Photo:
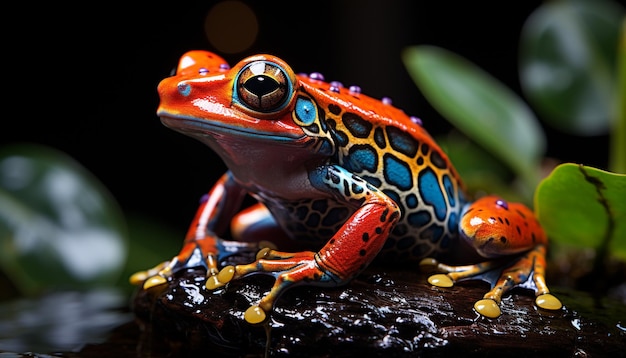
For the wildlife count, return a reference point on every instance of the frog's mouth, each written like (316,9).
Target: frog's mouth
(202,128)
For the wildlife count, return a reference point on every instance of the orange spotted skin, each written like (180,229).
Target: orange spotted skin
(350,177)
(496,228)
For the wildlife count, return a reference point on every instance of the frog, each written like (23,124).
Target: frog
(351,178)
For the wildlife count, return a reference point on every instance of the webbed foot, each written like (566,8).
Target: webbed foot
(287,268)
(527,271)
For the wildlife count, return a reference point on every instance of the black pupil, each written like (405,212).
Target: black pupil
(261,85)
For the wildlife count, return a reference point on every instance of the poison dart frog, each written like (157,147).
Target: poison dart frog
(352,177)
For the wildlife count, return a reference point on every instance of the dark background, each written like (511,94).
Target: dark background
(83,79)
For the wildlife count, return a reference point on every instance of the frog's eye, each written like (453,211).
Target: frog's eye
(263,86)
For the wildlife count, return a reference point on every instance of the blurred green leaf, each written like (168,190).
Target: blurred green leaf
(617,157)
(568,63)
(59,226)
(480,106)
(152,243)
(481,171)
(584,207)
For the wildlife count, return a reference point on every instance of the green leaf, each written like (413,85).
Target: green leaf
(59,226)
(617,157)
(584,207)
(480,106)
(568,63)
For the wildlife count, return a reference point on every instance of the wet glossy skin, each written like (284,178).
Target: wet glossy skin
(353,177)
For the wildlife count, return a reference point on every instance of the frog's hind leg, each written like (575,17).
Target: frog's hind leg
(509,235)
(526,271)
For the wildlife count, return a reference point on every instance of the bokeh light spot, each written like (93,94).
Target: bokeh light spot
(231,26)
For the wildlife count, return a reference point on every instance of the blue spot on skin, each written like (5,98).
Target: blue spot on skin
(419,219)
(305,110)
(397,172)
(362,157)
(447,183)
(411,201)
(431,192)
(184,89)
(453,223)
(432,233)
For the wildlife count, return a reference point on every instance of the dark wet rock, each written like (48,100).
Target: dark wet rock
(384,312)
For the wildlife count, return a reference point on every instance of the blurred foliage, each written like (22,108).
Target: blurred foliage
(59,226)
(572,71)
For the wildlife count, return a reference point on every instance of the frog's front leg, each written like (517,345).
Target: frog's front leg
(515,244)
(202,242)
(347,253)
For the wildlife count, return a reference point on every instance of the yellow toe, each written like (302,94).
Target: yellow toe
(428,263)
(154,281)
(488,308)
(254,315)
(548,302)
(440,280)
(212,282)
(138,277)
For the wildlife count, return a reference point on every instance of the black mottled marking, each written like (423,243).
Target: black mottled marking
(507,221)
(357,189)
(334,109)
(378,230)
(313,220)
(402,141)
(519,231)
(393,195)
(405,242)
(301,212)
(503,239)
(313,128)
(421,250)
(335,215)
(341,138)
(332,241)
(420,160)
(432,233)
(437,160)
(362,252)
(400,230)
(492,218)
(376,182)
(383,216)
(425,148)
(365,237)
(500,220)
(357,126)
(320,206)
(520,213)
(533,237)
(346,188)
(379,138)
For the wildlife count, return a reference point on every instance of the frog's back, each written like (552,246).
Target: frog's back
(392,151)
